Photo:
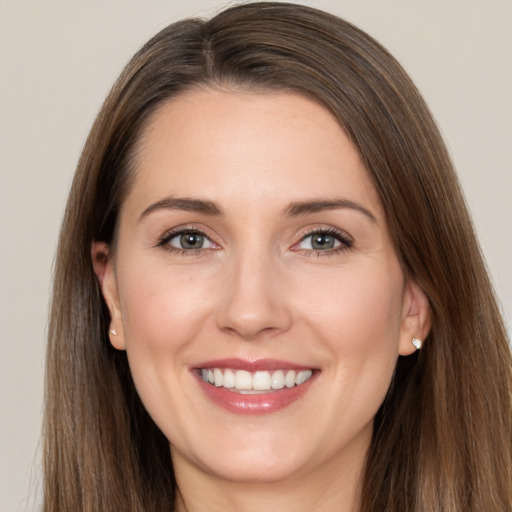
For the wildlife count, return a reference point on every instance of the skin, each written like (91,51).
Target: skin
(257,289)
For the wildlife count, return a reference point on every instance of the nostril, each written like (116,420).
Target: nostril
(251,333)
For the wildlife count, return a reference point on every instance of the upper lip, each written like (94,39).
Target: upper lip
(252,365)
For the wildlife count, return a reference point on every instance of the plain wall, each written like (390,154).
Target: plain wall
(58,60)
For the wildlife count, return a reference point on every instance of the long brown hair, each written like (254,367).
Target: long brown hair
(442,438)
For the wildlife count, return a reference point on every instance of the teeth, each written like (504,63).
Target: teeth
(218,377)
(261,381)
(278,379)
(229,379)
(289,380)
(244,381)
(301,377)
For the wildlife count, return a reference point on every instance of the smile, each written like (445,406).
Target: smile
(260,386)
(245,382)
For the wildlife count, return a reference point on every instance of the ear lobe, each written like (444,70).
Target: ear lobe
(416,317)
(104,270)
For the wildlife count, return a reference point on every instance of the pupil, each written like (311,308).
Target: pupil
(321,241)
(191,241)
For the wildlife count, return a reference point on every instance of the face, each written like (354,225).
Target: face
(255,287)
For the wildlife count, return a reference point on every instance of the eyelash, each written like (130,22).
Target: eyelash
(167,237)
(345,242)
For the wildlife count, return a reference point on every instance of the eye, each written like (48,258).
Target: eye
(188,240)
(319,242)
(324,241)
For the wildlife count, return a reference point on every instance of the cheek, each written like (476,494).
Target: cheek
(357,316)
(161,308)
(163,312)
(360,306)
(358,325)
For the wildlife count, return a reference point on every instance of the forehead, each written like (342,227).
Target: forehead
(250,147)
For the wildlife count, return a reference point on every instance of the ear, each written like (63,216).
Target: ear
(416,317)
(105,274)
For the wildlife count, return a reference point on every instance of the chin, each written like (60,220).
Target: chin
(250,470)
(267,459)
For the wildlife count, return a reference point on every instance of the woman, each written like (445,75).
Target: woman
(268,290)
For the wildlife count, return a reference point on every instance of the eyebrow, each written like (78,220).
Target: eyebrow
(305,207)
(184,204)
(295,209)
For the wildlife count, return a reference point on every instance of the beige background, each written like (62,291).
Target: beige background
(57,62)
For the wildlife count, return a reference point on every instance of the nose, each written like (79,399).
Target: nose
(254,298)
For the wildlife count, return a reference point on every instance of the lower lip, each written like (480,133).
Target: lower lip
(264,403)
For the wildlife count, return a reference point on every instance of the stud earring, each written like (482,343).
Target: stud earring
(113,332)
(417,343)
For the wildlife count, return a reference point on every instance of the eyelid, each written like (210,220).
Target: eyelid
(176,236)
(346,241)
(164,239)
